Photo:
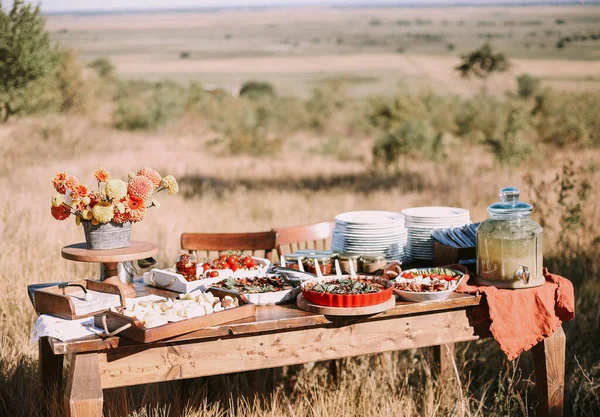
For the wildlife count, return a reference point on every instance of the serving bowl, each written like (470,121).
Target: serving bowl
(346,300)
(422,296)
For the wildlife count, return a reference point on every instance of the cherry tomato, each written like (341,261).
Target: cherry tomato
(248,262)
(233,259)
(214,274)
(223,257)
(206,266)
(234,267)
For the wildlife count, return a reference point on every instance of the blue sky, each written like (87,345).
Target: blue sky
(86,5)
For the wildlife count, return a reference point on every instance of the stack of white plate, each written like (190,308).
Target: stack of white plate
(421,221)
(370,233)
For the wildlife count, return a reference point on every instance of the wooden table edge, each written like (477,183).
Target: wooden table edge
(249,327)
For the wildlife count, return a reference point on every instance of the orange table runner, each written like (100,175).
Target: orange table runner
(522,318)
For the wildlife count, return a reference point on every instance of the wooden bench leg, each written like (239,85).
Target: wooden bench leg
(444,358)
(549,365)
(83,394)
(51,369)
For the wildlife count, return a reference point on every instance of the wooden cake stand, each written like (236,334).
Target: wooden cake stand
(110,258)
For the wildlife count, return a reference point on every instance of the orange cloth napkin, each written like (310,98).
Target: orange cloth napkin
(522,318)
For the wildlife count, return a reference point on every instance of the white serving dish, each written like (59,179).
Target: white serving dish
(420,297)
(265,298)
(171,280)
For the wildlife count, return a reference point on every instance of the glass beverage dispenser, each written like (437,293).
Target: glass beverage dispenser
(510,245)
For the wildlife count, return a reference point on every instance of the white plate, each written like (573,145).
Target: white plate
(376,237)
(434,212)
(376,226)
(368,217)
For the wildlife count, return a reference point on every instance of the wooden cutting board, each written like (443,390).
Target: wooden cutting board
(138,332)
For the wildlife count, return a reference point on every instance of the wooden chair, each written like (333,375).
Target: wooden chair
(309,236)
(259,244)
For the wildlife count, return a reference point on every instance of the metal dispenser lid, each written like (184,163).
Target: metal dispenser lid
(510,208)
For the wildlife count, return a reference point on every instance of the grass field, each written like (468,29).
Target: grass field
(294,47)
(313,172)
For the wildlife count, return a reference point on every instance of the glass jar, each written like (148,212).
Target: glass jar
(372,263)
(345,258)
(325,263)
(292,260)
(510,245)
(187,265)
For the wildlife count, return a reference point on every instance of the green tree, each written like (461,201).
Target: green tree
(26,54)
(482,62)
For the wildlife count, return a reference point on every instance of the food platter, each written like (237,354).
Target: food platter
(134,327)
(346,291)
(428,284)
(268,290)
(173,281)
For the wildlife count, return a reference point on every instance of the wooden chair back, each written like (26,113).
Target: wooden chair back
(205,245)
(309,236)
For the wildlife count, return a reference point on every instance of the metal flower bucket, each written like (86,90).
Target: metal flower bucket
(107,235)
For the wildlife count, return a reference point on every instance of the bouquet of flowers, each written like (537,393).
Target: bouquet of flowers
(115,200)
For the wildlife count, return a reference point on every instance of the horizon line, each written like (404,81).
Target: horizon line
(358,4)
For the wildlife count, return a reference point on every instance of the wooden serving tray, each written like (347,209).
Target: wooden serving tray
(57,302)
(139,333)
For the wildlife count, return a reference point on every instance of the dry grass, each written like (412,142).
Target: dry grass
(237,193)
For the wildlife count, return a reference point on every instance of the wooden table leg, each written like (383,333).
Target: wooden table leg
(549,364)
(83,395)
(444,358)
(51,369)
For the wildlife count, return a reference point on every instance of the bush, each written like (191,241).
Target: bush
(103,67)
(500,125)
(145,106)
(255,127)
(184,55)
(326,98)
(414,138)
(568,118)
(527,85)
(257,90)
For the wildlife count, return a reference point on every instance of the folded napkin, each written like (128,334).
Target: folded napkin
(62,329)
(522,318)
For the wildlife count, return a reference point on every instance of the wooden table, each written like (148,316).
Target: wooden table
(279,336)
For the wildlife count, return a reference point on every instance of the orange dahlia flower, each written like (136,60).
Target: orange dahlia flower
(79,191)
(94,199)
(121,217)
(140,187)
(102,175)
(152,175)
(71,183)
(135,208)
(59,182)
(61,212)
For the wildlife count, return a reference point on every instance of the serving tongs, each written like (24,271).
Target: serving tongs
(290,275)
